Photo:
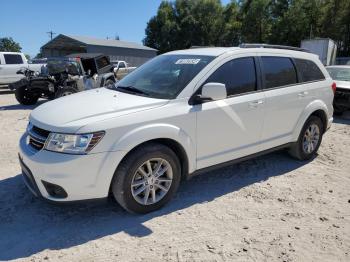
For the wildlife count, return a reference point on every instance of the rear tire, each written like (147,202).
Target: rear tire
(309,140)
(24,96)
(65,91)
(137,184)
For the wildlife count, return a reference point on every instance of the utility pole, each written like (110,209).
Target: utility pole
(51,34)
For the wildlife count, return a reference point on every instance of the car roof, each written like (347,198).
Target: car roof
(217,51)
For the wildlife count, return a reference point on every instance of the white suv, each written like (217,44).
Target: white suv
(175,116)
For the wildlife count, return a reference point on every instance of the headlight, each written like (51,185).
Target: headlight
(73,144)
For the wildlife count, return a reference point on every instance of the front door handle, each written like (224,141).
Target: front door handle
(256,103)
(302,94)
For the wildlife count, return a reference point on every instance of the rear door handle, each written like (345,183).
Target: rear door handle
(304,93)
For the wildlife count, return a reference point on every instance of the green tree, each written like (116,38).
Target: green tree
(161,30)
(181,24)
(231,28)
(256,20)
(335,24)
(7,44)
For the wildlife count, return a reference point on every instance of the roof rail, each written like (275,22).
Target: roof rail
(274,46)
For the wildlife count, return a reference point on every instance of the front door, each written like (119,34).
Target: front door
(231,128)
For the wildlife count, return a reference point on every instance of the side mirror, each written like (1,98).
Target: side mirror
(211,92)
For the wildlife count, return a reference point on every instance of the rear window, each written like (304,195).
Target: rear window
(102,62)
(278,71)
(308,70)
(12,59)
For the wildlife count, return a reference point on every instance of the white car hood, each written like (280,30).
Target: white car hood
(68,114)
(343,84)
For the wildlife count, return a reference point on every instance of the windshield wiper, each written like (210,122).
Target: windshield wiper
(132,90)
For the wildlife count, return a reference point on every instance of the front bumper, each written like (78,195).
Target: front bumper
(81,176)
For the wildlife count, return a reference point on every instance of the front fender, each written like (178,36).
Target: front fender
(307,112)
(146,133)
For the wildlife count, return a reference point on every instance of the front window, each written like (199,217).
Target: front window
(340,73)
(165,76)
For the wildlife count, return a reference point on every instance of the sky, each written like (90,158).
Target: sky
(28,22)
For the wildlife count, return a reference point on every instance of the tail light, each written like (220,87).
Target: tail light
(334,87)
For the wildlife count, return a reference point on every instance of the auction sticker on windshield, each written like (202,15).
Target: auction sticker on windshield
(187,61)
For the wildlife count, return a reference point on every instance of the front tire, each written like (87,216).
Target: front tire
(147,178)
(309,140)
(109,82)
(24,97)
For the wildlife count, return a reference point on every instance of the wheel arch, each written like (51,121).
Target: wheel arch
(173,145)
(169,135)
(316,108)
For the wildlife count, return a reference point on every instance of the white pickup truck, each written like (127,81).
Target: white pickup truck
(10,63)
(121,69)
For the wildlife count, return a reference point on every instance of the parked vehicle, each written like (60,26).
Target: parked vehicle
(121,69)
(11,63)
(341,75)
(325,48)
(177,115)
(37,60)
(65,76)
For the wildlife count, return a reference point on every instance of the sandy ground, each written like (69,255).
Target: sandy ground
(268,209)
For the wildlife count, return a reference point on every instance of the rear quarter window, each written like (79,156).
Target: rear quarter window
(308,70)
(278,71)
(12,59)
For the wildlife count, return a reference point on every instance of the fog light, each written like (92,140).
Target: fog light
(54,190)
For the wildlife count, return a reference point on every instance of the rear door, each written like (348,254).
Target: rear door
(13,62)
(285,99)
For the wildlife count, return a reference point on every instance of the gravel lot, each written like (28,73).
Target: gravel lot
(272,208)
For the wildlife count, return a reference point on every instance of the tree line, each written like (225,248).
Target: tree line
(180,24)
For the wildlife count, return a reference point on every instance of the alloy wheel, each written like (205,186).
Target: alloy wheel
(151,181)
(311,138)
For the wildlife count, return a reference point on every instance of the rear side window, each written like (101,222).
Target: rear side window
(308,70)
(278,71)
(13,59)
(238,75)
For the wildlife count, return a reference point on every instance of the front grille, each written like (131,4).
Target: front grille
(37,137)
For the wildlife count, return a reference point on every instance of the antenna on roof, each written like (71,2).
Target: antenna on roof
(51,34)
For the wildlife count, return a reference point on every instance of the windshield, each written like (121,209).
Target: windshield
(340,73)
(61,65)
(164,76)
